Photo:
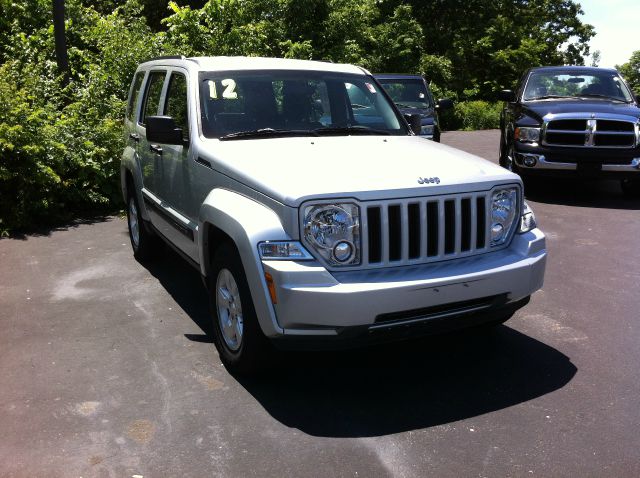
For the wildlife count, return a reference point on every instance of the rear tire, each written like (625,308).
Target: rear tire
(242,346)
(143,241)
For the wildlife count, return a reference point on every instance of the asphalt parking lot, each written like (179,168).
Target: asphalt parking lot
(107,368)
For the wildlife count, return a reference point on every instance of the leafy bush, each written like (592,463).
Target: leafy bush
(60,143)
(472,115)
(60,140)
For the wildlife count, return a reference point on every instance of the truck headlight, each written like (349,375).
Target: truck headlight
(333,231)
(504,208)
(527,135)
(527,220)
(427,130)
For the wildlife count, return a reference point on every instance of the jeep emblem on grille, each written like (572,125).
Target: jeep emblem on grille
(433,180)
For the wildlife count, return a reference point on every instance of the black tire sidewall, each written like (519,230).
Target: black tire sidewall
(147,242)
(253,347)
(630,188)
(132,198)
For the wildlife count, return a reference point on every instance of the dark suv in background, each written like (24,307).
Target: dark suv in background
(572,121)
(412,95)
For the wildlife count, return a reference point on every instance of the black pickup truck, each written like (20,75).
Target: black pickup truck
(572,120)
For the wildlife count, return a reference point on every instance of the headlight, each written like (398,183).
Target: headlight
(504,207)
(283,251)
(527,135)
(527,220)
(333,231)
(427,130)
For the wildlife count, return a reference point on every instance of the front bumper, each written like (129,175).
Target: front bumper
(313,302)
(586,162)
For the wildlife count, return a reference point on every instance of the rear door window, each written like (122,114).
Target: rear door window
(133,96)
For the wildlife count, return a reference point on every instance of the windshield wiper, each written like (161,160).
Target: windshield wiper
(548,97)
(338,130)
(267,133)
(404,105)
(595,95)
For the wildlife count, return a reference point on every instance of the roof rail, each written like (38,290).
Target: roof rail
(166,57)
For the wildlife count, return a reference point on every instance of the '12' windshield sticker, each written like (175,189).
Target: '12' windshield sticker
(370,87)
(229,92)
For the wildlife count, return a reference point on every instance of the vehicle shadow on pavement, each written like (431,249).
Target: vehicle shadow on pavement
(38,231)
(388,388)
(580,193)
(185,286)
(409,386)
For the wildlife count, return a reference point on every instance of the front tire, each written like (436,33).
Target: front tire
(507,157)
(242,346)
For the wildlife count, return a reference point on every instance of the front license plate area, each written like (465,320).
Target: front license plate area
(589,168)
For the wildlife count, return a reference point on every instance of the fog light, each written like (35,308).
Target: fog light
(529,161)
(497,230)
(343,251)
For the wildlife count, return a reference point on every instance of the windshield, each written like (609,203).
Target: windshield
(264,103)
(408,93)
(563,84)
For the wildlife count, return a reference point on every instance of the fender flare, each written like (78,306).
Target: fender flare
(247,223)
(129,164)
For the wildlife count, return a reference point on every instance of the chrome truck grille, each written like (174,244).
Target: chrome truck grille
(419,230)
(590,132)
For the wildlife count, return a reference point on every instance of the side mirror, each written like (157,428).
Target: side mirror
(163,130)
(506,95)
(415,122)
(445,104)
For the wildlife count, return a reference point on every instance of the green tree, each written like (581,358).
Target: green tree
(631,71)
(62,57)
(490,43)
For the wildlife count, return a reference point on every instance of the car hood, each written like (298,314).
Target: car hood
(425,113)
(539,109)
(292,170)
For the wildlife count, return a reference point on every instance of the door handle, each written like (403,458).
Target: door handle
(135,137)
(155,148)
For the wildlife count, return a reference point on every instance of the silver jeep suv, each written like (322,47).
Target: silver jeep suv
(314,214)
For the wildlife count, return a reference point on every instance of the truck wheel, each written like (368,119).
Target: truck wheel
(507,158)
(143,242)
(630,188)
(242,346)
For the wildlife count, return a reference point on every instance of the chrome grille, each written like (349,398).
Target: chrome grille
(419,230)
(591,132)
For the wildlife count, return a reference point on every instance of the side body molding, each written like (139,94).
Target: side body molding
(247,223)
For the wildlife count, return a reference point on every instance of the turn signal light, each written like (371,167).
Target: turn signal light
(272,287)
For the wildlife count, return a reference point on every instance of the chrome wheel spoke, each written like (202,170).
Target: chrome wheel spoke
(134,224)
(229,309)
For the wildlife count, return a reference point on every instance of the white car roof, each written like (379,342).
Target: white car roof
(226,63)
(258,63)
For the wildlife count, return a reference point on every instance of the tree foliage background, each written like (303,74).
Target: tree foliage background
(61,138)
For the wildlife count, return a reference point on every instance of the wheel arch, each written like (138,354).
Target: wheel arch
(229,217)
